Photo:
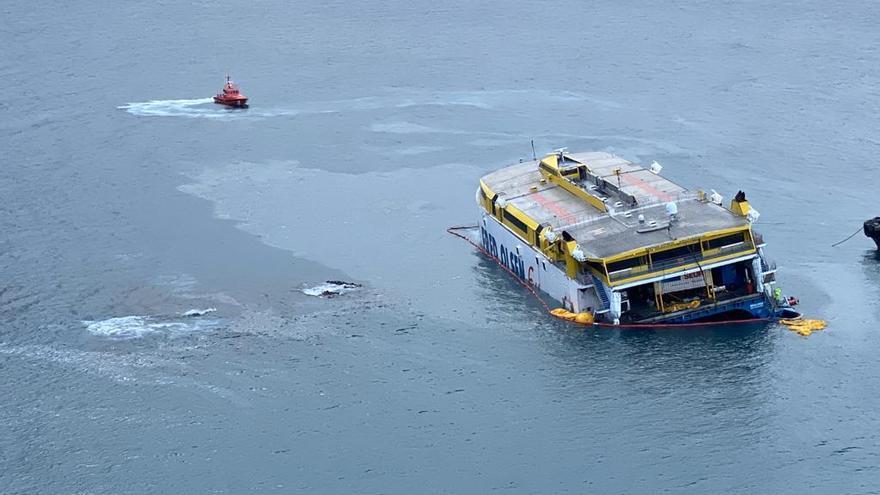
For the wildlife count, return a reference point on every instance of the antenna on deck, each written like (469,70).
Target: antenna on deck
(560,153)
(534,157)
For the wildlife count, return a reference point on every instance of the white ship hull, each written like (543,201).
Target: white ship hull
(532,267)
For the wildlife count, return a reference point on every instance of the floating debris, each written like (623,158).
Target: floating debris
(198,312)
(583,318)
(871,228)
(331,288)
(804,326)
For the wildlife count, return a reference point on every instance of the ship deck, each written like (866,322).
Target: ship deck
(632,191)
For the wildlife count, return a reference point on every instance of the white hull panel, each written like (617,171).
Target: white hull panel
(532,267)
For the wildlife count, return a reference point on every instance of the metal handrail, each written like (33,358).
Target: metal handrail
(677,262)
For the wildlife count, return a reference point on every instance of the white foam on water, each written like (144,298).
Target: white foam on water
(330,289)
(205,108)
(120,368)
(484,100)
(135,327)
(444,100)
(173,108)
(418,150)
(198,312)
(493,99)
(124,327)
(400,127)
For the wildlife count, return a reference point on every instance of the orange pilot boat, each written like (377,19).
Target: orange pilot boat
(231,96)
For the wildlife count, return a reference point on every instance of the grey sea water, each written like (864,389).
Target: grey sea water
(154,332)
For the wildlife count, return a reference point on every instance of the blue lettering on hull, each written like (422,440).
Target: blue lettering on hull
(507,258)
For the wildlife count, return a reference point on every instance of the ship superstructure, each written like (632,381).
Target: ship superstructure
(606,236)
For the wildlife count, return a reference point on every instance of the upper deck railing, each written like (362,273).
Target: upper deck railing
(676,264)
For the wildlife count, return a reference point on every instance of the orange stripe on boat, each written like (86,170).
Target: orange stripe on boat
(645,187)
(553,206)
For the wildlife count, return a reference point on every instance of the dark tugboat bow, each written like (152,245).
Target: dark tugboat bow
(872,230)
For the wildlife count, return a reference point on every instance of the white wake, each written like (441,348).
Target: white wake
(135,327)
(197,108)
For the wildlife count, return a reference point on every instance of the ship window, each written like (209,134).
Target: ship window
(484,199)
(548,169)
(596,266)
(627,263)
(679,252)
(516,222)
(725,241)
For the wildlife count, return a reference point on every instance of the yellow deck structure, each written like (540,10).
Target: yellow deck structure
(604,216)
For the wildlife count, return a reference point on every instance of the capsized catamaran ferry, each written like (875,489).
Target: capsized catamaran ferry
(609,238)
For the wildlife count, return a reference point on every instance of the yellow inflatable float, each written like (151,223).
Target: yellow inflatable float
(672,308)
(804,326)
(581,318)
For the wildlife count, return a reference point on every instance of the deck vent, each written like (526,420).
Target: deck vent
(672,211)
(753,215)
(641,218)
(618,204)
